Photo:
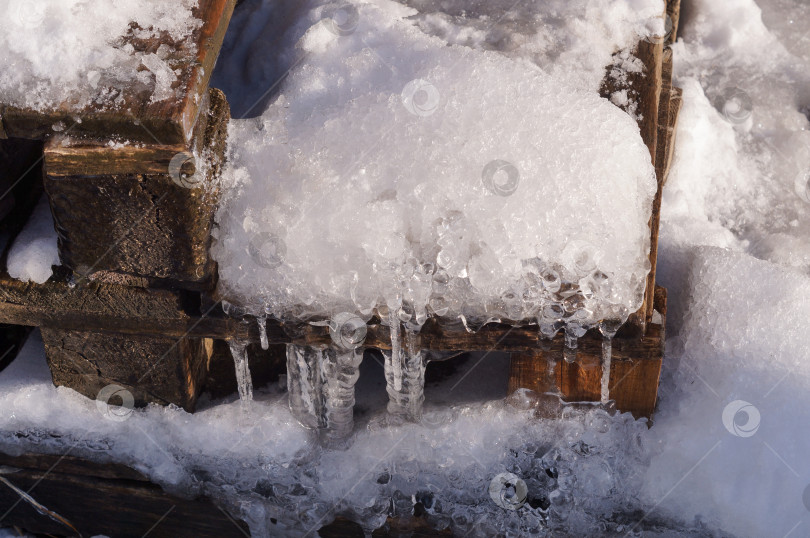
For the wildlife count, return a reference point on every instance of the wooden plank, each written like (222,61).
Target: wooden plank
(127,210)
(154,369)
(661,169)
(107,307)
(644,89)
(633,376)
(674,14)
(166,122)
(104,499)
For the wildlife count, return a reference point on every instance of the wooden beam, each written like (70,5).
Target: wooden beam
(168,122)
(634,372)
(103,499)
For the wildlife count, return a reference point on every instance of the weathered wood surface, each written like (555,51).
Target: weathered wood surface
(103,499)
(166,122)
(109,307)
(644,90)
(154,369)
(139,216)
(634,373)
(669,107)
(674,14)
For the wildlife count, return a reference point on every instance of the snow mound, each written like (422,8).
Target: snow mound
(397,172)
(35,250)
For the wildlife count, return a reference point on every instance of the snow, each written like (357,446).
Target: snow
(35,250)
(379,179)
(80,51)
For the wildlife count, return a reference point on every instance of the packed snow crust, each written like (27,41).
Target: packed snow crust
(398,171)
(80,52)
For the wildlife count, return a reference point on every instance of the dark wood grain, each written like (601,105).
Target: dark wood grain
(634,372)
(674,13)
(122,209)
(104,499)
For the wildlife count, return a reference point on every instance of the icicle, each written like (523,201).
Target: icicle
(262,321)
(304,382)
(570,347)
(320,383)
(607,342)
(406,400)
(551,374)
(243,379)
(396,352)
(574,330)
(608,328)
(341,369)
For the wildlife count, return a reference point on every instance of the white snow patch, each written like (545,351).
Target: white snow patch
(35,250)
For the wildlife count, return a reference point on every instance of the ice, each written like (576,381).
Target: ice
(320,383)
(526,190)
(261,321)
(243,379)
(405,379)
(35,250)
(608,330)
(58,51)
(304,385)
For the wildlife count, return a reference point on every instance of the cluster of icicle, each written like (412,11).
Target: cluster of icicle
(321,380)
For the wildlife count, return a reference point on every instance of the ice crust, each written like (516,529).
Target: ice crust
(582,472)
(35,249)
(395,170)
(74,51)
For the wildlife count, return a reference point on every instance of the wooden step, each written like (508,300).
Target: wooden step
(165,122)
(141,210)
